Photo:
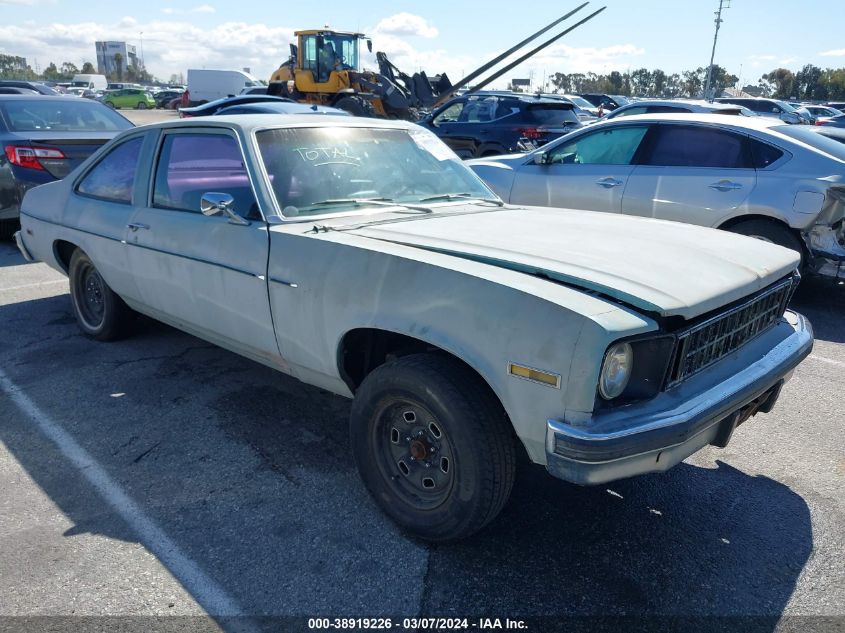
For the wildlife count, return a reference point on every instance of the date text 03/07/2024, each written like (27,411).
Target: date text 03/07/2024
(417,624)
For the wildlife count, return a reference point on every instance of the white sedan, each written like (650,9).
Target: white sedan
(750,175)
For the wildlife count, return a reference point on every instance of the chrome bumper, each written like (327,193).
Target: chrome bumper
(660,440)
(22,247)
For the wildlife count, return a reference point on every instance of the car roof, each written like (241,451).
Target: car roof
(751,123)
(693,102)
(283,107)
(251,122)
(42,98)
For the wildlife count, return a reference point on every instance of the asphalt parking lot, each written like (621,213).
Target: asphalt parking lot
(148,483)
(163,476)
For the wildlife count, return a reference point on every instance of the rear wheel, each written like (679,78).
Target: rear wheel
(142,105)
(99,312)
(433,446)
(770,231)
(356,106)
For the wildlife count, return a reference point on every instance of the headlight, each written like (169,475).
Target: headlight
(616,370)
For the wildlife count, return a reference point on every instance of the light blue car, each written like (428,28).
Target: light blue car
(363,257)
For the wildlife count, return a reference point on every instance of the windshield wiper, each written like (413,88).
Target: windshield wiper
(462,196)
(362,202)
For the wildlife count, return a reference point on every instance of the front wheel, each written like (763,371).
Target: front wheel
(142,105)
(99,312)
(433,446)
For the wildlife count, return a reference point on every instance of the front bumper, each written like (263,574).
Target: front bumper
(661,439)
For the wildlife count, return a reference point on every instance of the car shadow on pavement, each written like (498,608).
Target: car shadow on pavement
(10,255)
(823,302)
(250,473)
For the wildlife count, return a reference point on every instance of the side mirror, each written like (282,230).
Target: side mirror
(213,203)
(370,45)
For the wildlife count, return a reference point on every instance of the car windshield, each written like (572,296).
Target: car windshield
(70,115)
(805,134)
(323,170)
(786,107)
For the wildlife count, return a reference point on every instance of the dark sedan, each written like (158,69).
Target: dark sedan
(279,108)
(834,121)
(38,87)
(43,139)
(163,97)
(212,107)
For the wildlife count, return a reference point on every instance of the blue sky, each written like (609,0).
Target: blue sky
(437,35)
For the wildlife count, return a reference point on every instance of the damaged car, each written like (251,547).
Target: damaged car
(751,175)
(363,257)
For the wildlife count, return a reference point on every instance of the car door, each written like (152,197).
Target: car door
(587,171)
(205,274)
(450,125)
(692,173)
(103,203)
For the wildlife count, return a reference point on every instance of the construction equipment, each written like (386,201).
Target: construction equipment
(324,68)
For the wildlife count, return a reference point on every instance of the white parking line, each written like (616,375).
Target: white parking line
(829,361)
(35,285)
(211,596)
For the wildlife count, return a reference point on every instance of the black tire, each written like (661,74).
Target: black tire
(356,106)
(142,105)
(469,451)
(99,312)
(8,228)
(770,231)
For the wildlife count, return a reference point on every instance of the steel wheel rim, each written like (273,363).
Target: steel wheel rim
(413,454)
(90,296)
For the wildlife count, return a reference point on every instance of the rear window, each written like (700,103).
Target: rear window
(806,135)
(67,115)
(763,154)
(551,114)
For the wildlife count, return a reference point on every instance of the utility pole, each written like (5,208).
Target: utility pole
(723,4)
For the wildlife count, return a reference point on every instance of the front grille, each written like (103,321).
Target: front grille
(703,344)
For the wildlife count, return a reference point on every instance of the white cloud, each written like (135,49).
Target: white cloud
(762,58)
(405,24)
(203,8)
(170,46)
(838,52)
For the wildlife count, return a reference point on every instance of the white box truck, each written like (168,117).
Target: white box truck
(208,84)
(89,82)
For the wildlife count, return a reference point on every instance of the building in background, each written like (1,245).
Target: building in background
(115,58)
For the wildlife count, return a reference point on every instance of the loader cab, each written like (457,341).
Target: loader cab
(324,52)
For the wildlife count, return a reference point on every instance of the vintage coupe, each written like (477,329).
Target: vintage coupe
(363,257)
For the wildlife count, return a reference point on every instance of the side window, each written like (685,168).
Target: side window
(191,165)
(113,178)
(664,109)
(776,108)
(450,114)
(629,112)
(309,53)
(615,146)
(763,154)
(479,110)
(688,146)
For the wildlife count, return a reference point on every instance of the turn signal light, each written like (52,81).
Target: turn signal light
(30,157)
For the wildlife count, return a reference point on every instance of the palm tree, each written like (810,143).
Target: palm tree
(118,61)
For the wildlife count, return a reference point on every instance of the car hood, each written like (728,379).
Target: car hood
(660,267)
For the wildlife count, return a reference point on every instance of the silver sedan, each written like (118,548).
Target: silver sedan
(750,175)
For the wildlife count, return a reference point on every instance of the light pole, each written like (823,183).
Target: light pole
(142,51)
(726,4)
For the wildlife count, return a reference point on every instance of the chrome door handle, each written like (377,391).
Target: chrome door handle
(607,183)
(137,225)
(725,185)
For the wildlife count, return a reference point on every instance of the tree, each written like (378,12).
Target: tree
(658,82)
(88,69)
(118,62)
(781,82)
(640,82)
(691,84)
(616,82)
(51,73)
(68,70)
(13,67)
(561,82)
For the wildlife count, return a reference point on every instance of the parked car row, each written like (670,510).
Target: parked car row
(365,258)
